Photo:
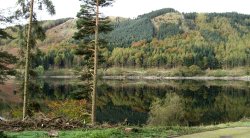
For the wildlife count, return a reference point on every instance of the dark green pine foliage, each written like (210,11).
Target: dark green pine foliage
(213,36)
(141,28)
(85,35)
(131,31)
(168,30)
(89,26)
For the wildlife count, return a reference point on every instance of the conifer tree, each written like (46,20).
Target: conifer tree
(27,11)
(89,25)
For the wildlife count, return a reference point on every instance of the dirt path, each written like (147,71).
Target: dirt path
(237,132)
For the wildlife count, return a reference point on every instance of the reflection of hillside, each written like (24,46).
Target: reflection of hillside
(122,114)
(8,94)
(233,106)
(223,107)
(138,97)
(203,102)
(179,84)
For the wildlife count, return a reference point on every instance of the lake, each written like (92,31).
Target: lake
(138,102)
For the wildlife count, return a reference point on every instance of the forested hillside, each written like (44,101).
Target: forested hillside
(167,38)
(164,38)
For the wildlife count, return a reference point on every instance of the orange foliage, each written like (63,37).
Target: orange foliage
(139,43)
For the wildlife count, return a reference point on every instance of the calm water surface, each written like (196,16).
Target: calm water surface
(181,102)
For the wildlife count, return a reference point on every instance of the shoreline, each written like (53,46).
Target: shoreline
(152,77)
(243,78)
(59,77)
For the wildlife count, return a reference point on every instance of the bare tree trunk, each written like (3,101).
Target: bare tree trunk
(93,116)
(27,58)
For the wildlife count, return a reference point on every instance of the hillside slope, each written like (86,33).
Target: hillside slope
(157,24)
(169,39)
(162,38)
(57,32)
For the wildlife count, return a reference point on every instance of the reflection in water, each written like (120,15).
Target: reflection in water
(167,111)
(174,102)
(153,102)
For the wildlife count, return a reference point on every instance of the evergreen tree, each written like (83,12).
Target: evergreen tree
(89,25)
(27,7)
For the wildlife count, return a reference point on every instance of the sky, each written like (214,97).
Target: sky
(133,8)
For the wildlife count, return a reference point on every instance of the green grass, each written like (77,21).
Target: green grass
(113,132)
(27,134)
(118,132)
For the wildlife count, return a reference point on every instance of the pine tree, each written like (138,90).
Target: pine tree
(25,6)
(89,25)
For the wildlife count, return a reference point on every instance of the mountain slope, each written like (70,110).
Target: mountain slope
(57,32)
(168,22)
(162,38)
(167,38)
(157,24)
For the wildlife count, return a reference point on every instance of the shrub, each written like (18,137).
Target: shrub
(194,70)
(184,71)
(39,70)
(71,109)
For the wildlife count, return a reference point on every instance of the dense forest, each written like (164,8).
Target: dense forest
(170,39)
(164,38)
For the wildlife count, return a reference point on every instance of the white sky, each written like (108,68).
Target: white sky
(133,8)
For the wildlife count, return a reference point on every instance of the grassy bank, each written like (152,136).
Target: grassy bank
(119,132)
(175,72)
(60,72)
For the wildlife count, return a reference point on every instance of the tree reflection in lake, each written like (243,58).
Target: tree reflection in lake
(167,111)
(174,102)
(148,102)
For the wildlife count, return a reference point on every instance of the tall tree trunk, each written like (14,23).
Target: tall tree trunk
(27,60)
(93,116)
